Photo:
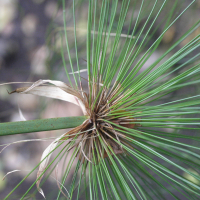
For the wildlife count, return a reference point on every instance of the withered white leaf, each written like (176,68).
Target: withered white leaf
(45,160)
(58,90)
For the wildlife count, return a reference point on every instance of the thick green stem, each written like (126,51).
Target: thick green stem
(11,128)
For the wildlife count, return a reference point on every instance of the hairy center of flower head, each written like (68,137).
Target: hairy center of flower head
(104,133)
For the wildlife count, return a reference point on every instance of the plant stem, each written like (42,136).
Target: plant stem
(11,128)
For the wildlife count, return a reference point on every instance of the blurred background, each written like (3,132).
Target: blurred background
(24,54)
(30,50)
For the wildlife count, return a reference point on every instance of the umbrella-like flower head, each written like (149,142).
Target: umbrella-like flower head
(98,128)
(138,138)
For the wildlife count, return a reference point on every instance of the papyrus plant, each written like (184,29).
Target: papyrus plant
(139,139)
